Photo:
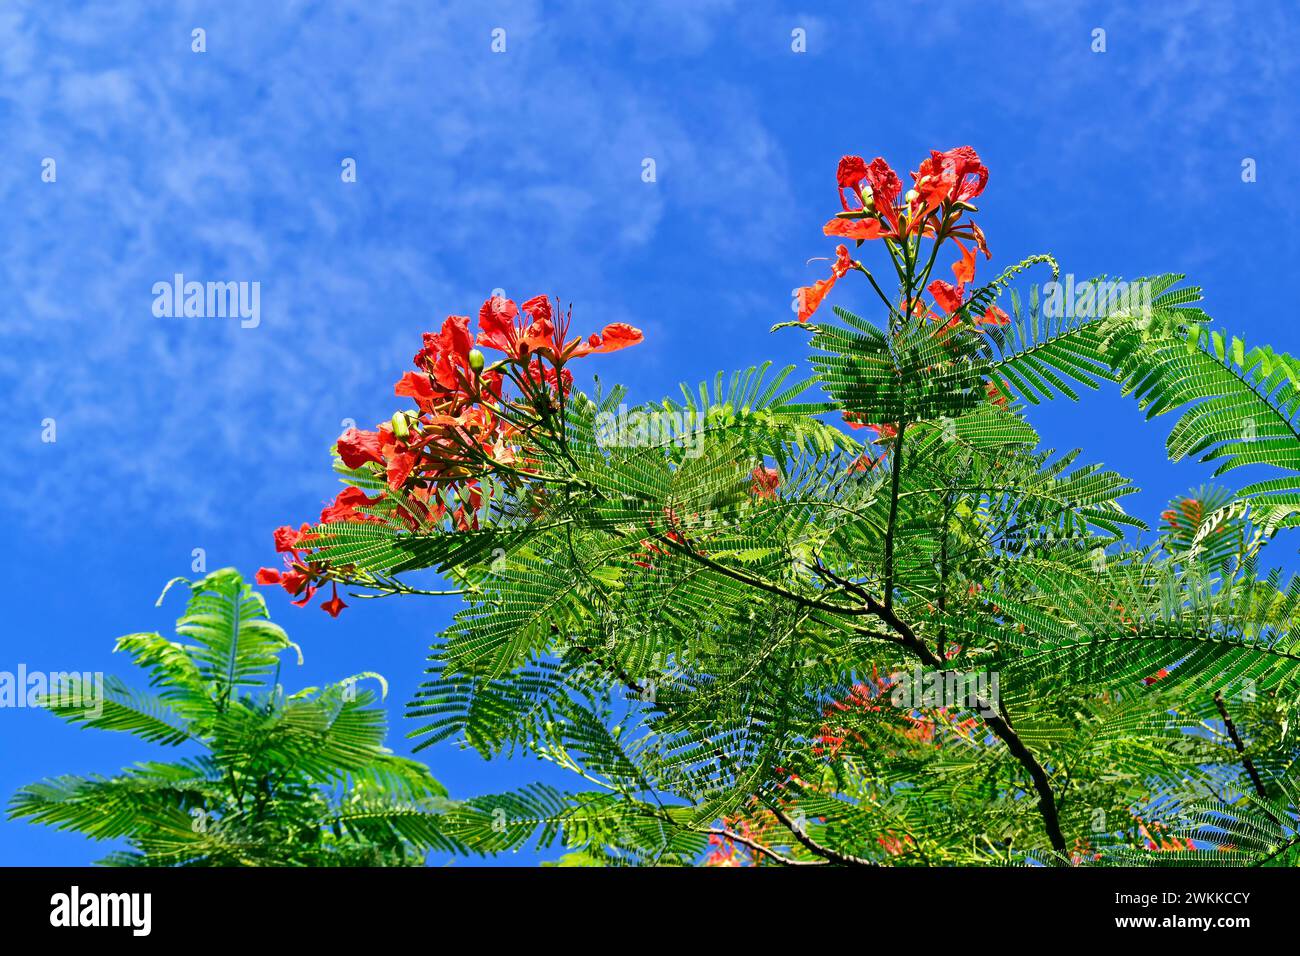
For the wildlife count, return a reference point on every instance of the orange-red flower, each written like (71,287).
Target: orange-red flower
(358,448)
(344,507)
(765,482)
(884,432)
(810,297)
(334,605)
(993,316)
(286,537)
(849,174)
(462,426)
(951,297)
(445,356)
(879,212)
(1157,839)
(615,336)
(301,575)
(944,185)
(951,177)
(504,328)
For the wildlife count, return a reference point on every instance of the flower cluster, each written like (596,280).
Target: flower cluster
(466,424)
(302,575)
(936,207)
(944,186)
(725,851)
(873,695)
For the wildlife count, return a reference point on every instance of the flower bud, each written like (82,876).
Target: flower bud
(400,428)
(476,360)
(912,196)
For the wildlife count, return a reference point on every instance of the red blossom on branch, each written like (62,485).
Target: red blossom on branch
(462,427)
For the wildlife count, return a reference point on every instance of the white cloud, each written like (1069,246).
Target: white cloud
(474,169)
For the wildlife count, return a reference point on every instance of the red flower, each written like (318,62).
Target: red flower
(550,332)
(950,297)
(345,505)
(765,482)
(946,295)
(400,466)
(994,316)
(883,222)
(539,307)
(301,574)
(358,448)
(415,385)
(334,605)
(945,184)
(884,432)
(299,584)
(617,335)
(286,538)
(446,354)
(810,297)
(851,171)
(951,177)
(1159,841)
(293,579)
(463,426)
(885,189)
(501,327)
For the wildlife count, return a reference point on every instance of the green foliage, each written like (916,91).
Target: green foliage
(271,778)
(719,655)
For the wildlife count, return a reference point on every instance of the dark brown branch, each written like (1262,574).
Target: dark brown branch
(627,680)
(684,547)
(994,720)
(812,846)
(997,723)
(766,851)
(1241,747)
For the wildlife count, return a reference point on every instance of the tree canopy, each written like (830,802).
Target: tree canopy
(272,779)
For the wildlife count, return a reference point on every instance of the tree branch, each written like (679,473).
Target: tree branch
(765,851)
(1241,747)
(812,846)
(991,716)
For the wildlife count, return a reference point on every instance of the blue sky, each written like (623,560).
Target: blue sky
(522,170)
